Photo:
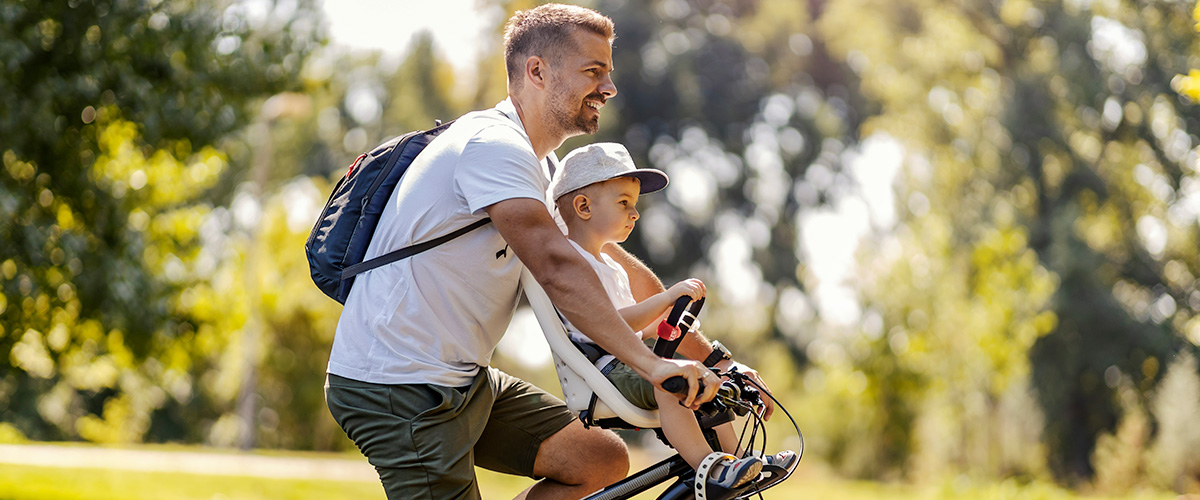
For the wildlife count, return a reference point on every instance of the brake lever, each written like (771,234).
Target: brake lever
(747,395)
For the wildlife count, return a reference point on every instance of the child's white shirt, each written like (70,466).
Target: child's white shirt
(616,284)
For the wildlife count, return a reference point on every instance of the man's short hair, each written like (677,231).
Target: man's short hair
(545,31)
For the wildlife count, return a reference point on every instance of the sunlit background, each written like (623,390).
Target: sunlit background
(959,239)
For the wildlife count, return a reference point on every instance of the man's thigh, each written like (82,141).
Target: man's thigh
(419,437)
(522,417)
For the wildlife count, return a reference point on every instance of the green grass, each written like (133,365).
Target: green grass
(47,483)
(20,482)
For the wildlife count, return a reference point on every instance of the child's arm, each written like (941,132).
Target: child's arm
(644,313)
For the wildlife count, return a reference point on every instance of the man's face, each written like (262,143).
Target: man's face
(579,84)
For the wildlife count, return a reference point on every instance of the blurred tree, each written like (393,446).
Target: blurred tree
(1190,85)
(108,115)
(419,92)
(1173,461)
(1055,120)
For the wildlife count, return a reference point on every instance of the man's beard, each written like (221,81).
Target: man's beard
(571,119)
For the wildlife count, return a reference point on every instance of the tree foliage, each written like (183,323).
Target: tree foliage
(110,113)
(1056,118)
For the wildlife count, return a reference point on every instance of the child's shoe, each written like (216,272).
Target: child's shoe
(721,473)
(777,467)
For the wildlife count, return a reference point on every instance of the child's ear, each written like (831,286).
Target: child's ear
(582,206)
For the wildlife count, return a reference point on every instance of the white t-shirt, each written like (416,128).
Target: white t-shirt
(616,284)
(436,317)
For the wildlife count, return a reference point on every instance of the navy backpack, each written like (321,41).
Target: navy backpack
(340,238)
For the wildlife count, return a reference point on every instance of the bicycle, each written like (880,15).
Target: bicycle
(596,402)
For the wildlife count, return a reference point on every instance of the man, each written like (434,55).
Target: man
(408,377)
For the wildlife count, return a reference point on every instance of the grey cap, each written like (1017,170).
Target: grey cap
(600,162)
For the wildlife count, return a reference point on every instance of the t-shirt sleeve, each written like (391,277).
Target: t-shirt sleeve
(496,165)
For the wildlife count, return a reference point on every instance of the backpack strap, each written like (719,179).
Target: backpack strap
(409,251)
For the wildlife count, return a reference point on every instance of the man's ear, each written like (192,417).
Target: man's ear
(582,206)
(535,72)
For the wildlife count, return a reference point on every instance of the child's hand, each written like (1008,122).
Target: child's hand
(693,288)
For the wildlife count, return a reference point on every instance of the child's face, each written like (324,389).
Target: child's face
(614,208)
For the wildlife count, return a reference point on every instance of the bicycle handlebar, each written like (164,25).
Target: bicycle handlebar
(732,394)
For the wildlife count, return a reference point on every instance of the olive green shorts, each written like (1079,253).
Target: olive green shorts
(425,440)
(635,388)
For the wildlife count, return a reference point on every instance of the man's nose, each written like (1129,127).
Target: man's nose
(635,215)
(608,88)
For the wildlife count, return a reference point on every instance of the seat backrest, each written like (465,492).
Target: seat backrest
(578,376)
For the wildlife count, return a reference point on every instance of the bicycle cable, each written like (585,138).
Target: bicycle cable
(760,423)
(800,435)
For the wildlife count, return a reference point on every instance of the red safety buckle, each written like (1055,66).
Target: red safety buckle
(667,331)
(355,164)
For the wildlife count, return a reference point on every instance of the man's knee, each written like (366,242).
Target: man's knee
(611,461)
(579,456)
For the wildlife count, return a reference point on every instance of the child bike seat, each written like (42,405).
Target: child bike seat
(581,379)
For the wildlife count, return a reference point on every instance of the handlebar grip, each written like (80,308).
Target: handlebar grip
(676,384)
(727,391)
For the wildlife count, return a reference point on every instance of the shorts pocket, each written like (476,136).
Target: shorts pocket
(365,414)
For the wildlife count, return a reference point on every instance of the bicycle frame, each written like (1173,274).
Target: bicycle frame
(654,475)
(673,467)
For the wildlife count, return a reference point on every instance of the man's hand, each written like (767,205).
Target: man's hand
(695,373)
(768,404)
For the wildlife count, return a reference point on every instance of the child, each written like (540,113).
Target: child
(596,192)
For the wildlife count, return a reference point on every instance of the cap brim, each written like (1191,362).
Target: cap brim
(651,180)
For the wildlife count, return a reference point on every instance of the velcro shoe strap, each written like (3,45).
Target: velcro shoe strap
(702,471)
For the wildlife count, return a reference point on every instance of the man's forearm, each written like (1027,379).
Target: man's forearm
(695,346)
(576,291)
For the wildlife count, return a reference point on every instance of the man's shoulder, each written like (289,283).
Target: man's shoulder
(488,123)
(482,134)
(496,138)
(490,131)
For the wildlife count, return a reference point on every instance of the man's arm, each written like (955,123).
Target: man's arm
(576,291)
